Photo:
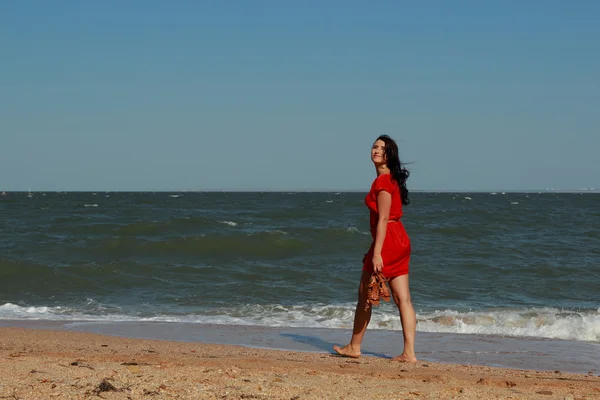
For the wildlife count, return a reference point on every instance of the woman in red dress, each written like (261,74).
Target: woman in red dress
(390,251)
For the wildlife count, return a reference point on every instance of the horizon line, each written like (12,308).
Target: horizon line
(495,191)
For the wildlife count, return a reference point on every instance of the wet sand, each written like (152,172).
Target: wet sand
(486,350)
(59,364)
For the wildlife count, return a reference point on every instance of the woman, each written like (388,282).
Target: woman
(390,251)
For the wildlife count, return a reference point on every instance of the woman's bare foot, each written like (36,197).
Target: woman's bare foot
(404,358)
(346,351)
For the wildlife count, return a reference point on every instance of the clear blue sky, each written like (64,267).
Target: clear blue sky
(282,95)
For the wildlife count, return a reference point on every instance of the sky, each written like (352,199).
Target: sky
(281,95)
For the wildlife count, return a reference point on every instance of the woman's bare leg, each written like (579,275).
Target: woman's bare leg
(361,320)
(408,318)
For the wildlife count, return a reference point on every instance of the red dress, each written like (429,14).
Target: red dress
(396,246)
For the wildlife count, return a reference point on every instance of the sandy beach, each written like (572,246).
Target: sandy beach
(47,364)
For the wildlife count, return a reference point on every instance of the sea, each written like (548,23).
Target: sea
(486,265)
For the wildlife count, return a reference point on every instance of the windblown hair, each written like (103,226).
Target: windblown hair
(398,171)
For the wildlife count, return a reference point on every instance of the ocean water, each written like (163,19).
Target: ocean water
(510,264)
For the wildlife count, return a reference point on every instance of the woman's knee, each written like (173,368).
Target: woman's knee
(400,290)
(361,296)
(363,287)
(401,298)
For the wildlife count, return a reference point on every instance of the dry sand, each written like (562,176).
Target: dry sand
(44,364)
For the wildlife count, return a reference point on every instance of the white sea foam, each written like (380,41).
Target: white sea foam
(352,229)
(230,223)
(536,322)
(10,310)
(90,205)
(532,322)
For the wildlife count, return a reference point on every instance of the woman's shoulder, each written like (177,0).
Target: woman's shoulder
(384,177)
(385,182)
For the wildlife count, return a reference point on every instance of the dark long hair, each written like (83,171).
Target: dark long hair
(399,173)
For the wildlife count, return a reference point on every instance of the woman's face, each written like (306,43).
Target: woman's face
(378,152)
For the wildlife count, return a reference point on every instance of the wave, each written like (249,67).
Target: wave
(226,238)
(181,225)
(261,245)
(552,323)
(353,229)
(230,223)
(81,226)
(535,322)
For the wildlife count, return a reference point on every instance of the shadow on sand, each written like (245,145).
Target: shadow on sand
(324,345)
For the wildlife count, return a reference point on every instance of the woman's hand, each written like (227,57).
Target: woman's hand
(377,263)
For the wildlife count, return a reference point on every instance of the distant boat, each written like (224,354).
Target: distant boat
(29,194)
(3,193)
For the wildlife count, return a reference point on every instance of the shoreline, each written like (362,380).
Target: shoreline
(519,353)
(57,363)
